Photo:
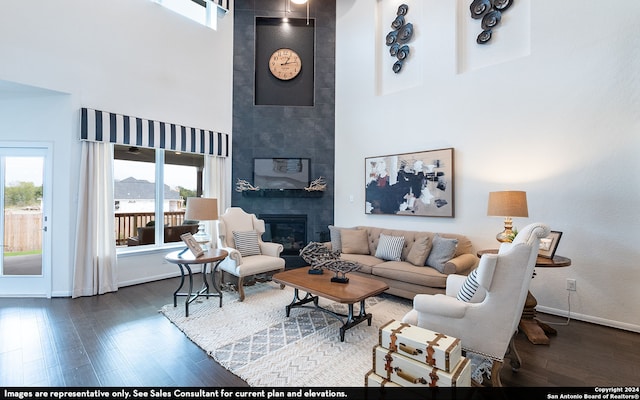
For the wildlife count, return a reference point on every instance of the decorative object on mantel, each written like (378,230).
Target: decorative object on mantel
(490,11)
(419,184)
(243,186)
(320,256)
(398,37)
(507,204)
(316,185)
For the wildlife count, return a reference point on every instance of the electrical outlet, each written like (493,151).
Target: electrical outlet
(571,285)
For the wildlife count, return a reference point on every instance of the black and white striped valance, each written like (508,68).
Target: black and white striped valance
(102,126)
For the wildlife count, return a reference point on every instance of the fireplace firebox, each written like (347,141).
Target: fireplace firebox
(290,230)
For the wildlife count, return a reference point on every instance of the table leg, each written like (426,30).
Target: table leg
(205,282)
(216,286)
(298,302)
(351,321)
(348,321)
(535,330)
(186,303)
(175,294)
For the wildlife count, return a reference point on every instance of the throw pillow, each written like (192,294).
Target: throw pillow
(247,243)
(469,287)
(442,251)
(389,247)
(336,237)
(355,241)
(419,251)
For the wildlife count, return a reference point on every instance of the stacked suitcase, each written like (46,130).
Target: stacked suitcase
(408,355)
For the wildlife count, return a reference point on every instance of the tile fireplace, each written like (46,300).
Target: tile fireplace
(290,230)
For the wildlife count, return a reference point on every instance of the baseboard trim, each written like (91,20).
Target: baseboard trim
(194,269)
(146,279)
(589,318)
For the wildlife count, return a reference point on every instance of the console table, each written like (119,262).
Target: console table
(535,329)
(184,260)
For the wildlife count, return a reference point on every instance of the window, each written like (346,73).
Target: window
(201,11)
(150,189)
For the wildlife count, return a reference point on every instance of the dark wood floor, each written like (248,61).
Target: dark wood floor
(120,339)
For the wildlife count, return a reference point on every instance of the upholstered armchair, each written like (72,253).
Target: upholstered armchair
(240,234)
(483,309)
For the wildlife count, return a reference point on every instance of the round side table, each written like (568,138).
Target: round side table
(184,260)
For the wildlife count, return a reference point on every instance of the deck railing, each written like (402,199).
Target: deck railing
(127,223)
(23,231)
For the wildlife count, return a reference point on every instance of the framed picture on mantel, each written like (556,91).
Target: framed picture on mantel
(417,184)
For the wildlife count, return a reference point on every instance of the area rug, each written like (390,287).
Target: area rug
(257,342)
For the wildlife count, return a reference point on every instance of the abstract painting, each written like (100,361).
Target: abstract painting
(419,184)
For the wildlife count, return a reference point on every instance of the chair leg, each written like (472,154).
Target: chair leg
(495,373)
(512,354)
(241,287)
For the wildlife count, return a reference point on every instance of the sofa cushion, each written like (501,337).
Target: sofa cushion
(354,241)
(419,251)
(406,272)
(374,238)
(442,250)
(247,243)
(464,244)
(336,237)
(364,260)
(390,247)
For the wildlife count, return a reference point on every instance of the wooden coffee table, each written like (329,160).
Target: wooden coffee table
(358,289)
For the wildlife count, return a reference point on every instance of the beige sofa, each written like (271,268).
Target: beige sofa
(452,253)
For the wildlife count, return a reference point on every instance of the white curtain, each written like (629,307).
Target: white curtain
(95,264)
(216,185)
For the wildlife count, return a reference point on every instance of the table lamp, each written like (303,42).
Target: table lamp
(201,209)
(507,204)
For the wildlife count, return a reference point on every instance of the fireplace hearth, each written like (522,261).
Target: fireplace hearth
(290,230)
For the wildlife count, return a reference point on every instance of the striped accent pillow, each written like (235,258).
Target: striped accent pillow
(469,287)
(247,243)
(390,247)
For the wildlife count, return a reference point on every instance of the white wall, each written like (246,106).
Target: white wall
(556,113)
(131,57)
(125,56)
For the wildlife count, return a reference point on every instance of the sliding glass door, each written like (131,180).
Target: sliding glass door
(24,226)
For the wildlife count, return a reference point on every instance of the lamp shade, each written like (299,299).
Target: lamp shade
(511,203)
(201,209)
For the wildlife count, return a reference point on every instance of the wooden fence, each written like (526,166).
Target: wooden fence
(23,231)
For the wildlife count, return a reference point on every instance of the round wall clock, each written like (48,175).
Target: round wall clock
(285,64)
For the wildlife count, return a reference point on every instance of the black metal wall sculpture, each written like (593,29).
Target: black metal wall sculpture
(398,38)
(491,12)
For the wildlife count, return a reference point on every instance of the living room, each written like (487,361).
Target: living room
(555,115)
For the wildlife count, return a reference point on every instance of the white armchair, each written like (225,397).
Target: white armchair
(487,322)
(265,258)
